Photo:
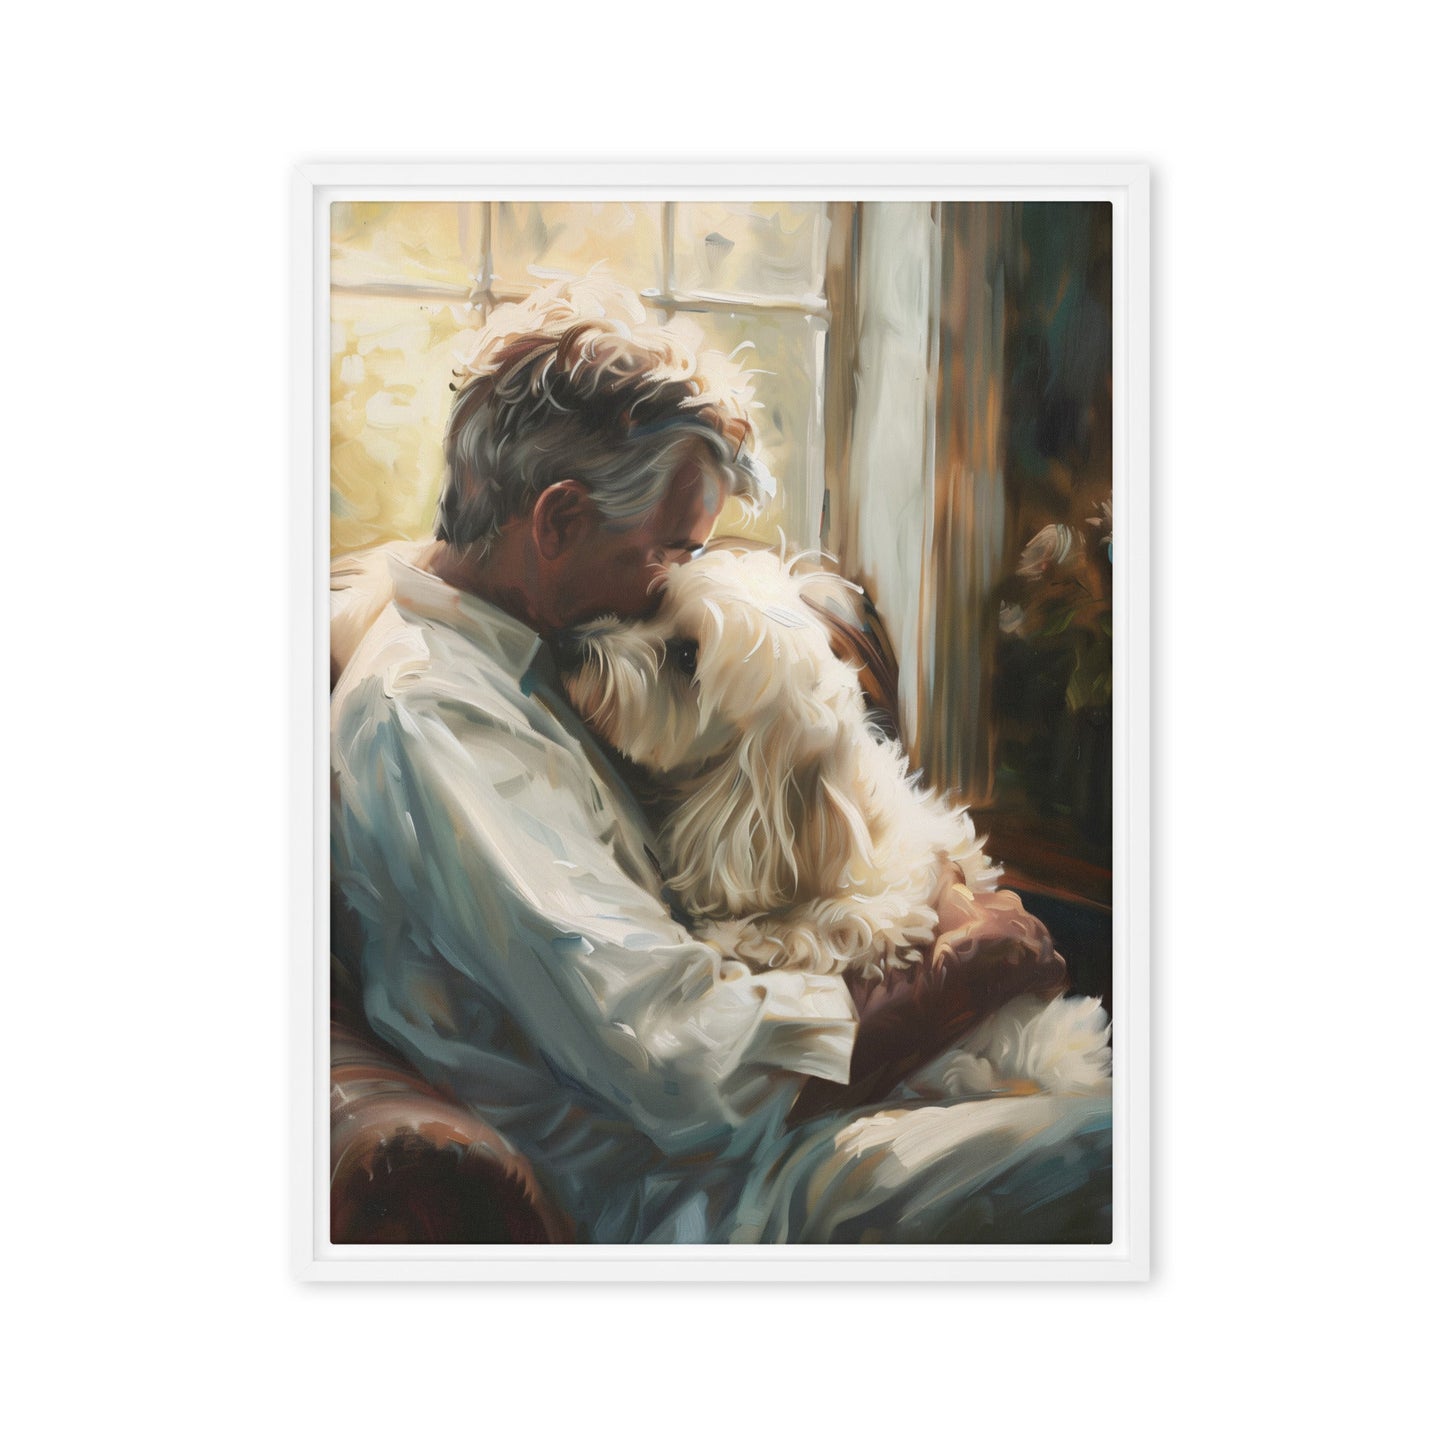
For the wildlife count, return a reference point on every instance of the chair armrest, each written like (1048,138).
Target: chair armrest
(410,1166)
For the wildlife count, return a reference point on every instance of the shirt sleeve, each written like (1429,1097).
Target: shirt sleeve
(489,851)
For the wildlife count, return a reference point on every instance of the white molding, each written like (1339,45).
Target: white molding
(905,180)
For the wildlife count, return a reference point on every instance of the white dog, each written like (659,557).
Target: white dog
(795,836)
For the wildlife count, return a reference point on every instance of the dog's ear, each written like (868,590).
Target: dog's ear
(773,824)
(828,592)
(833,848)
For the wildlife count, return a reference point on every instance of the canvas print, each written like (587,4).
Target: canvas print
(721,722)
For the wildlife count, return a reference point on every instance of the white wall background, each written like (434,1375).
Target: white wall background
(1298,469)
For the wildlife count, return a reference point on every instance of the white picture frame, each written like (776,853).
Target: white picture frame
(314,189)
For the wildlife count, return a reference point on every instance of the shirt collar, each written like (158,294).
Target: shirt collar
(502,636)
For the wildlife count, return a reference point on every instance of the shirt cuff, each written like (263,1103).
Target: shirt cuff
(807,1026)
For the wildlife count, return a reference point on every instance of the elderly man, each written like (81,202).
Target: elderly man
(518,944)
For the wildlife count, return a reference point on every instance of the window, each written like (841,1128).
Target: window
(409,279)
(970,474)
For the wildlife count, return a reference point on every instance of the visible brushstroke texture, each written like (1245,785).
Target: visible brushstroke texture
(785,354)
(960,357)
(410,281)
(392,362)
(841,370)
(969,500)
(793,828)
(771,250)
(1052,714)
(400,243)
(535,239)
(792,833)
(646,1076)
(882,522)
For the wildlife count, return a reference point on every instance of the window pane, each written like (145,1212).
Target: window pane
(405,242)
(785,351)
(391,364)
(574,236)
(758,248)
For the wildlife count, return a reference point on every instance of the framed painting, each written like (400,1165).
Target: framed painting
(721,826)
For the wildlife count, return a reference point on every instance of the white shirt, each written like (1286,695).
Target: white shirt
(517,945)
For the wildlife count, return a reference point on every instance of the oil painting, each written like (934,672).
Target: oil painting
(721,722)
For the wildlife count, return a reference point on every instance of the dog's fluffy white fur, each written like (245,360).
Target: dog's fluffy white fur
(795,836)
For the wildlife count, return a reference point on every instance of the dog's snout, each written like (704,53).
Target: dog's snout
(570,652)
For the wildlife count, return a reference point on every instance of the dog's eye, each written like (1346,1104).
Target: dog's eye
(683,656)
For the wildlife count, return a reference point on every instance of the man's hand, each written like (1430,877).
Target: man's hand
(987,950)
(1003,948)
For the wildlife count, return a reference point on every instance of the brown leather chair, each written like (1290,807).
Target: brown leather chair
(410,1165)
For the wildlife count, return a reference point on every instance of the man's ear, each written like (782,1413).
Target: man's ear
(561,516)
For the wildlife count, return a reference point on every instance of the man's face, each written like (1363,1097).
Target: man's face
(614,570)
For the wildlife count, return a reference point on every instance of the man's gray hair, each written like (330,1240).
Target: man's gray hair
(573,383)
